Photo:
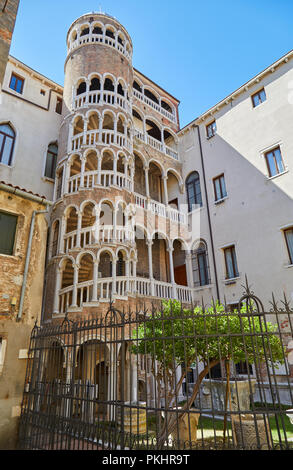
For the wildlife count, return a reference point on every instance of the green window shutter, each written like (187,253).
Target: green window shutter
(7,233)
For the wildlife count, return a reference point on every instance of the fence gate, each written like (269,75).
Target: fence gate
(203,378)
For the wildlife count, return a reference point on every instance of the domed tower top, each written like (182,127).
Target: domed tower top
(100,28)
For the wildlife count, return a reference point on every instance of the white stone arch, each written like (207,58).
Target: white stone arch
(123,250)
(153,91)
(81,254)
(99,24)
(111,27)
(68,208)
(182,241)
(142,158)
(121,33)
(72,156)
(164,236)
(176,174)
(145,231)
(159,164)
(169,102)
(109,75)
(64,259)
(173,134)
(84,26)
(86,202)
(106,249)
(155,120)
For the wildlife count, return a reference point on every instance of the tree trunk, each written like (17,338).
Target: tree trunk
(171,422)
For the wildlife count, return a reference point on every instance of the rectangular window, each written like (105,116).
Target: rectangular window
(8,224)
(51,161)
(242,368)
(289,241)
(231,262)
(274,162)
(59,106)
(16,83)
(211,129)
(220,187)
(259,97)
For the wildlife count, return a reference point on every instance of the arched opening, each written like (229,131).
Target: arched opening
(109,85)
(179,263)
(142,267)
(166,106)
(54,370)
(92,374)
(110,33)
(85,31)
(121,125)
(193,190)
(88,216)
(97,30)
(120,89)
(95,84)
(121,162)
(108,122)
(75,166)
(121,39)
(78,126)
(200,265)
(160,259)
(81,88)
(71,222)
(86,265)
(121,264)
(91,163)
(93,122)
(55,238)
(137,87)
(139,176)
(155,182)
(137,121)
(151,96)
(142,391)
(106,215)
(173,189)
(105,265)
(67,275)
(107,161)
(120,216)
(169,140)
(153,130)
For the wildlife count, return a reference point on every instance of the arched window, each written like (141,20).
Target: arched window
(193,190)
(81,88)
(7,141)
(200,266)
(51,161)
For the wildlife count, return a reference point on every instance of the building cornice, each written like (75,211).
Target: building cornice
(210,113)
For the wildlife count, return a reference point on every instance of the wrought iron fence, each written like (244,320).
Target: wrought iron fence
(172,378)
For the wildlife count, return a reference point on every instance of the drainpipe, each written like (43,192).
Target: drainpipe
(208,211)
(27,260)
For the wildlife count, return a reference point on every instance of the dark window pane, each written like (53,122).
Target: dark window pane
(7,233)
(289,240)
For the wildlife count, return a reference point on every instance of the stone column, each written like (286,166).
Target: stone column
(95,281)
(150,257)
(75,282)
(165,179)
(147,186)
(189,272)
(83,161)
(78,231)
(57,289)
(172,277)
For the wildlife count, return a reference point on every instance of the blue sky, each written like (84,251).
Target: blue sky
(199,51)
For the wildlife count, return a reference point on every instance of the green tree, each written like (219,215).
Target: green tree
(176,336)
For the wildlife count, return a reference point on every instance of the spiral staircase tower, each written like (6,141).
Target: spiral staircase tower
(93,212)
